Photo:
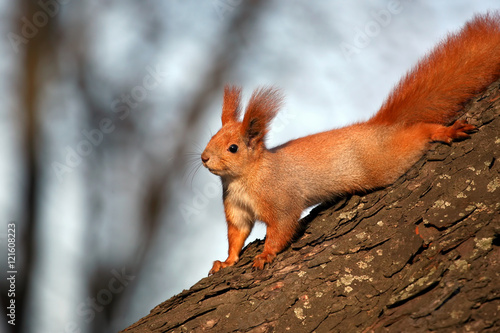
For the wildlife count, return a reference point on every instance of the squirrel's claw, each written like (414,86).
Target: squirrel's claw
(262,259)
(218,265)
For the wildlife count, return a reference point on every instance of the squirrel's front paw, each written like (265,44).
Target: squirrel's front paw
(218,265)
(215,267)
(262,259)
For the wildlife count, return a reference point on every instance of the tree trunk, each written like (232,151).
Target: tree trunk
(421,255)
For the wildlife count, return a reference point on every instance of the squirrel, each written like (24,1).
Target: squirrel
(275,185)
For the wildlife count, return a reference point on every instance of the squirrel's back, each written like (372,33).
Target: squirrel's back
(463,64)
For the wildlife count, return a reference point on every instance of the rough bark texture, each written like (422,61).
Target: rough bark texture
(421,255)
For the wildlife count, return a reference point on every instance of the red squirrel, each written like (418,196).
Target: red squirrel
(275,185)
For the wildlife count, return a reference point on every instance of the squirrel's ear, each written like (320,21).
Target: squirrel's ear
(231,104)
(262,108)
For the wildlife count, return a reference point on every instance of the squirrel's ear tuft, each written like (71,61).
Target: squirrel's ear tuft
(262,108)
(231,105)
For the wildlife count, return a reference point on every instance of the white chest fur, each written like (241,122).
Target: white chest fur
(240,203)
(238,195)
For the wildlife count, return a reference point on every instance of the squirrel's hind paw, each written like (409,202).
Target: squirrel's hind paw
(458,131)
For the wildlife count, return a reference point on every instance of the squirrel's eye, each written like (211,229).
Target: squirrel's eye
(233,148)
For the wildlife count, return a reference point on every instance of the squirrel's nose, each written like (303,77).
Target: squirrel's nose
(204,158)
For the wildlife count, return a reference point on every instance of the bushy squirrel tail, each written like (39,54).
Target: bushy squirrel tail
(460,66)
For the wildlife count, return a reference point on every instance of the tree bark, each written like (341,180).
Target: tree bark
(420,255)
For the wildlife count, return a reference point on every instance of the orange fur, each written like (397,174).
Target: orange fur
(459,67)
(262,108)
(231,107)
(276,185)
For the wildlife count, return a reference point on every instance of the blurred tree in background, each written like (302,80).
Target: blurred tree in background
(101,145)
